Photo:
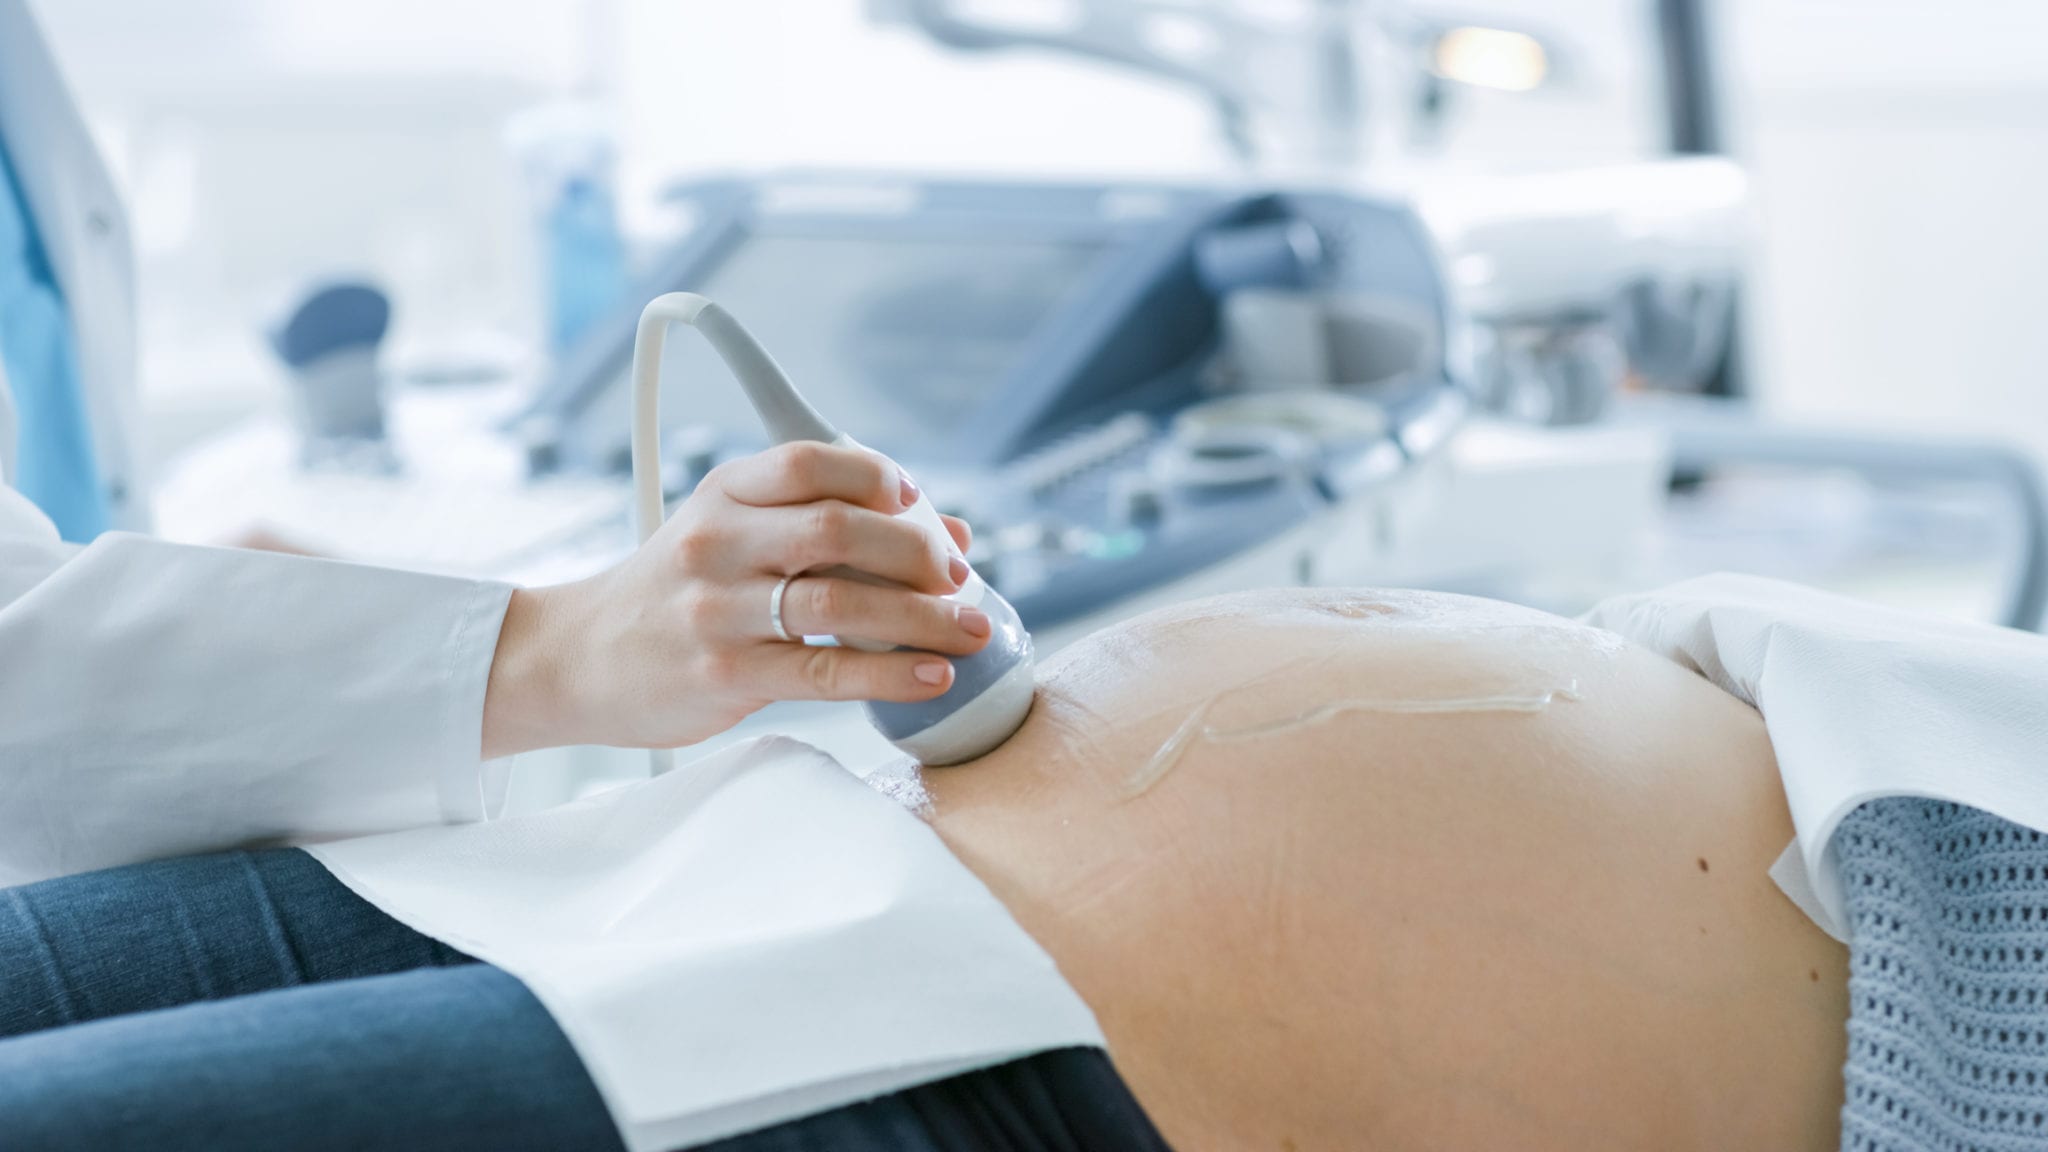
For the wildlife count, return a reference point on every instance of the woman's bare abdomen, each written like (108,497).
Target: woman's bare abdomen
(1361,870)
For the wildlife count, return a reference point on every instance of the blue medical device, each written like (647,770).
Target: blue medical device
(1071,366)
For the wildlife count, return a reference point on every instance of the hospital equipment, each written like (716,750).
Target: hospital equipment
(1030,351)
(1608,295)
(567,156)
(1137,392)
(992,689)
(328,343)
(1581,283)
(1707,433)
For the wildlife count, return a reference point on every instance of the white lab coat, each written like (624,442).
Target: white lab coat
(82,225)
(159,699)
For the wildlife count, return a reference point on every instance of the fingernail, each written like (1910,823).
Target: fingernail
(909,489)
(958,570)
(932,671)
(974,621)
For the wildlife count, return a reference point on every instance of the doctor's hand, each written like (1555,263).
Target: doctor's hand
(677,643)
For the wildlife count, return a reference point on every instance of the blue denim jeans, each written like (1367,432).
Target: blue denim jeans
(250,1001)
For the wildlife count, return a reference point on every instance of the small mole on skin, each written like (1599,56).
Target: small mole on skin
(1703,863)
(1287,1144)
(1813,974)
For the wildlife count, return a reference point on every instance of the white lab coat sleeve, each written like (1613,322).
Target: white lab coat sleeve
(160,699)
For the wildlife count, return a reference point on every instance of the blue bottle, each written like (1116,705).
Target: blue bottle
(586,261)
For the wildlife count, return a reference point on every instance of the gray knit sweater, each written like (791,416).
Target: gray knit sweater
(1948,984)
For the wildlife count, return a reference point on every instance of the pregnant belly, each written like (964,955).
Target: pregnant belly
(1348,870)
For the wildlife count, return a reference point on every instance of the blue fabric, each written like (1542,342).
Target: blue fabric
(57,465)
(1948,979)
(250,1001)
(178,932)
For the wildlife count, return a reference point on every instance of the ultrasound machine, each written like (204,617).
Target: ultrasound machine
(1120,386)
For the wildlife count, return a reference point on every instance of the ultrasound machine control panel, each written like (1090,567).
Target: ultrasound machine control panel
(1118,385)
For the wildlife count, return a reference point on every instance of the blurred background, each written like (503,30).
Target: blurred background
(1853,266)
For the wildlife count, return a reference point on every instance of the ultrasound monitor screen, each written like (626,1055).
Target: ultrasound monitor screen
(896,341)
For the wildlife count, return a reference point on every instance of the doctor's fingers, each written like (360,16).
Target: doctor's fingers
(786,541)
(802,672)
(804,470)
(822,605)
(958,529)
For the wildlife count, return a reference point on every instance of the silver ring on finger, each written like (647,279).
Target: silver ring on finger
(775,610)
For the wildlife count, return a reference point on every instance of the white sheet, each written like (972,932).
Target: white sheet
(1861,702)
(751,938)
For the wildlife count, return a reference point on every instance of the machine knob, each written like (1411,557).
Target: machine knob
(1136,500)
(1284,253)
